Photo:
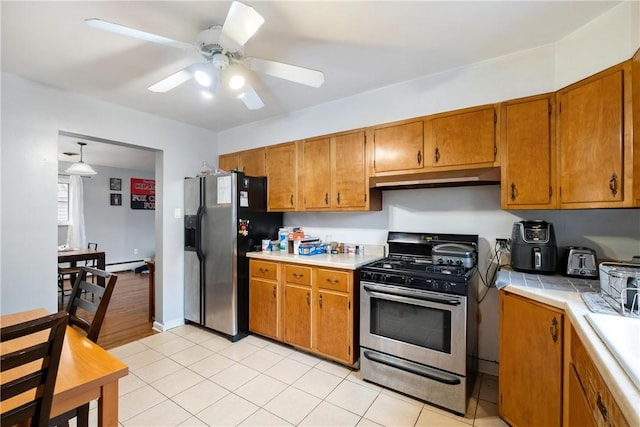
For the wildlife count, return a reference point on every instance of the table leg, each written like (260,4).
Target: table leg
(108,405)
(72,276)
(101,266)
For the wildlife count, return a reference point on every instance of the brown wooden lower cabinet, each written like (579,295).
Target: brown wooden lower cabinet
(579,413)
(318,311)
(264,290)
(530,371)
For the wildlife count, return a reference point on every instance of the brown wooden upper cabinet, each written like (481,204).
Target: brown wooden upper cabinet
(462,138)
(282,177)
(528,156)
(334,172)
(595,156)
(399,146)
(251,162)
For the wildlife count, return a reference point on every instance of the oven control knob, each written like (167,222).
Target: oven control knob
(435,285)
(446,287)
(458,262)
(408,280)
(449,261)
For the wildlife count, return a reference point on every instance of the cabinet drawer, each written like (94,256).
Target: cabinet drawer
(603,407)
(297,274)
(264,270)
(333,280)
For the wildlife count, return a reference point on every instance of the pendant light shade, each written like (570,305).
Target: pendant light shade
(80,168)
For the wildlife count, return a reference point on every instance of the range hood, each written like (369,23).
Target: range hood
(456,178)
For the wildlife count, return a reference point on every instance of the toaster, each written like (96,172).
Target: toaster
(580,262)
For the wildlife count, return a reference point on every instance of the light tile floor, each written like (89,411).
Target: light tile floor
(190,377)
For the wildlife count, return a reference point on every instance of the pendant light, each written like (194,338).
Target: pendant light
(80,168)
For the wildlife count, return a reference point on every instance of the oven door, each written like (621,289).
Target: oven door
(421,326)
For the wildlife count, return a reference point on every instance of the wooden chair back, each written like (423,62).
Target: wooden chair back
(96,308)
(43,351)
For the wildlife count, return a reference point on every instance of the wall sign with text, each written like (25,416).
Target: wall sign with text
(143,193)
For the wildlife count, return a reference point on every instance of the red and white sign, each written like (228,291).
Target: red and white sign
(143,193)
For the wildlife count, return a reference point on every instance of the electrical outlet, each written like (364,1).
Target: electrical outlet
(135,251)
(503,243)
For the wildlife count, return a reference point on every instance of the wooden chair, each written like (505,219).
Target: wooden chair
(43,349)
(88,316)
(63,272)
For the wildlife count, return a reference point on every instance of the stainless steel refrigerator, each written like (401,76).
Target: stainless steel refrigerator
(225,216)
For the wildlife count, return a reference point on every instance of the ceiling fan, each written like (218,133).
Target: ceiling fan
(222,50)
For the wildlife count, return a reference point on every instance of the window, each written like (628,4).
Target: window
(63,200)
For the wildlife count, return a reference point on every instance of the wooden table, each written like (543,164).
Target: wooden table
(73,256)
(86,372)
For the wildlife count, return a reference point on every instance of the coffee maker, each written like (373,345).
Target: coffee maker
(533,247)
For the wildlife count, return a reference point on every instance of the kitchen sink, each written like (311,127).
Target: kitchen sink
(621,335)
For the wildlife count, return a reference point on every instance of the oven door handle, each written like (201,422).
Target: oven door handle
(414,368)
(382,294)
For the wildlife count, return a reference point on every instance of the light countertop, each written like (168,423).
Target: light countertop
(343,261)
(623,390)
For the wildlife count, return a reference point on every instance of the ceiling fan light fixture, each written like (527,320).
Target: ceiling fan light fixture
(81,168)
(202,77)
(236,82)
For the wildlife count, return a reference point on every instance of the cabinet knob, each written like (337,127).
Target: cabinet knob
(553,330)
(298,276)
(613,184)
(513,191)
(333,281)
(437,155)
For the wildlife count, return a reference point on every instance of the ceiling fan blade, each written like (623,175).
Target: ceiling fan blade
(305,76)
(174,80)
(251,98)
(132,32)
(241,24)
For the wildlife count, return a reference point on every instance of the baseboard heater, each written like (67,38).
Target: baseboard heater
(117,266)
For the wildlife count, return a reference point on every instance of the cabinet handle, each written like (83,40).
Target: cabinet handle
(308,298)
(298,276)
(437,155)
(553,330)
(513,191)
(333,281)
(291,200)
(601,407)
(326,198)
(613,184)
(320,301)
(263,270)
(274,291)
(419,157)
(338,197)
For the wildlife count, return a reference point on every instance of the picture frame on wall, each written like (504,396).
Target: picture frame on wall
(116,199)
(115,184)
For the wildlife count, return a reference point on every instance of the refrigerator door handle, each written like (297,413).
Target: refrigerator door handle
(200,215)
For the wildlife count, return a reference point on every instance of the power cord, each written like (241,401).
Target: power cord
(502,246)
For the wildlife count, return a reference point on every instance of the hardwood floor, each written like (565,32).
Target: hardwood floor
(127,317)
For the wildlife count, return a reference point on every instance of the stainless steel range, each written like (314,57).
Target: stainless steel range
(418,325)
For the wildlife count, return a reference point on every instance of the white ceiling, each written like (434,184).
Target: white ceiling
(359,45)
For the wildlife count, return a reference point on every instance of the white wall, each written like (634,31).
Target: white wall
(119,230)
(32,115)
(606,41)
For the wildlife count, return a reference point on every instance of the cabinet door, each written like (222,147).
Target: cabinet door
(399,147)
(349,174)
(579,411)
(252,162)
(331,324)
(316,164)
(464,138)
(591,141)
(263,307)
(281,177)
(530,370)
(527,154)
(228,162)
(297,315)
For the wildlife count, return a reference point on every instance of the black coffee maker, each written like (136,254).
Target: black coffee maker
(533,247)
